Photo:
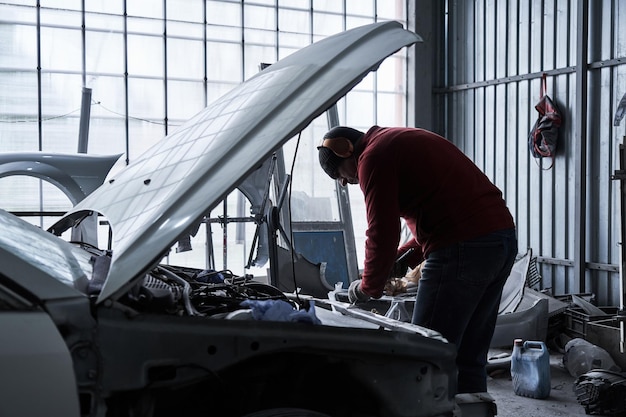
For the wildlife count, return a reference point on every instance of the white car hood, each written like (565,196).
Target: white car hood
(180,179)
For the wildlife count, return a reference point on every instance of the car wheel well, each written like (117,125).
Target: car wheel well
(309,381)
(317,383)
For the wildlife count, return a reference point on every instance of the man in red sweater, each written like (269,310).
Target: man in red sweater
(460,223)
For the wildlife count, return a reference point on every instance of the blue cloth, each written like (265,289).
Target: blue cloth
(210,276)
(459,294)
(280,310)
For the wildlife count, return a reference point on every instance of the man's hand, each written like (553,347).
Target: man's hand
(355,294)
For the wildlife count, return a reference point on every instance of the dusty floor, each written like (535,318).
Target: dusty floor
(561,402)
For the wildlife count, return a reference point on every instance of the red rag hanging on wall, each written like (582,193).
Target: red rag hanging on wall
(543,137)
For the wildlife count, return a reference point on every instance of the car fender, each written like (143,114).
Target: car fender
(37,377)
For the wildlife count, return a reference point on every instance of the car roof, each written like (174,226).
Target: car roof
(152,201)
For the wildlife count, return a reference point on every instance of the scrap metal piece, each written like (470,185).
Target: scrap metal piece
(513,290)
(601,393)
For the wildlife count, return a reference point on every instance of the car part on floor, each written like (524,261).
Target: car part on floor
(602,393)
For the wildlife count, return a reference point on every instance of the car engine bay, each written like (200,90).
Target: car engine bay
(185,291)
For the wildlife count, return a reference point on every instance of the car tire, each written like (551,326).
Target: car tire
(286,412)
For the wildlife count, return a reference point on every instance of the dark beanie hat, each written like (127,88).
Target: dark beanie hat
(329,160)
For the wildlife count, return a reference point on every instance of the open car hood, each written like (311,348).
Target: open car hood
(176,182)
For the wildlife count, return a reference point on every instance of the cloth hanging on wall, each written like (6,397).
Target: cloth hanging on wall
(544,135)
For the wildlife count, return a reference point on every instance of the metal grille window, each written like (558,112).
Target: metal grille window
(150,65)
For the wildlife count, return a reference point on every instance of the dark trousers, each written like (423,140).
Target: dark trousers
(459,294)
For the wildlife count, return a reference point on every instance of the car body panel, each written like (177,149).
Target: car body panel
(25,393)
(130,350)
(31,256)
(180,179)
(77,175)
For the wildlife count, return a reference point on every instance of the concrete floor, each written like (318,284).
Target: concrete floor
(561,402)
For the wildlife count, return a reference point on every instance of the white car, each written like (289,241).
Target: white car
(112,332)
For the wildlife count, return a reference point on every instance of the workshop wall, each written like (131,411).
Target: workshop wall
(493,55)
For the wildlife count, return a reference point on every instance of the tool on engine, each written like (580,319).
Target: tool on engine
(400,267)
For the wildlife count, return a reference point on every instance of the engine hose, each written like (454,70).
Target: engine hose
(191,310)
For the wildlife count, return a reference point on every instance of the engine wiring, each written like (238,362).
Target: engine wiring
(194,292)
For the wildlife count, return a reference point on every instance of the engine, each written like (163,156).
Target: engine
(193,292)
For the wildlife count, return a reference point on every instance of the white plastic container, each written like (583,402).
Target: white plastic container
(530,369)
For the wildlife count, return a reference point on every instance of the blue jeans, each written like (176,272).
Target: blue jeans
(459,295)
